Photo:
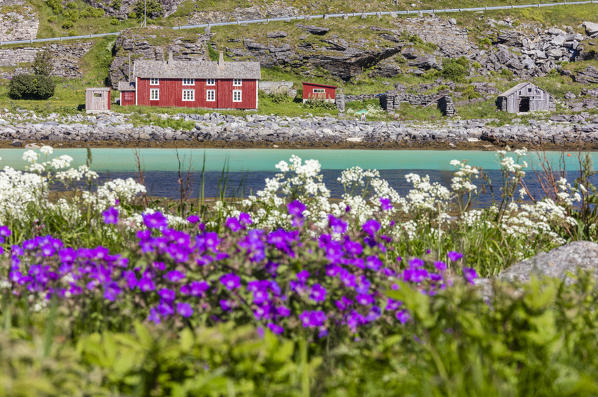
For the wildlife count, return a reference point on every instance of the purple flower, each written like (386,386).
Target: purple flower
(403,316)
(302,276)
(312,319)
(226,304)
(154,316)
(245,219)
(198,288)
(193,219)
(470,275)
(111,291)
(275,328)
(373,263)
(184,309)
(416,262)
(385,204)
(371,227)
(440,266)
(233,224)
(165,309)
(343,304)
(167,294)
(283,311)
(454,256)
(231,281)
(111,216)
(4,231)
(296,208)
(146,284)
(336,224)
(155,221)
(174,276)
(318,293)
(364,299)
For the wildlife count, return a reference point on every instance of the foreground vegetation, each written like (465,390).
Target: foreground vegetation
(290,292)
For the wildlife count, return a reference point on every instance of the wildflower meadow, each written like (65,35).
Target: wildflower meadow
(290,292)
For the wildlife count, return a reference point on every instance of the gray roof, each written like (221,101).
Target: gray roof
(517,88)
(126,86)
(197,70)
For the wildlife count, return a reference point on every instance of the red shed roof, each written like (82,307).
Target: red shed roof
(320,85)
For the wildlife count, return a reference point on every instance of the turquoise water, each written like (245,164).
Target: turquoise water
(255,160)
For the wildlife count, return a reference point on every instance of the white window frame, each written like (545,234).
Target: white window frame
(190,97)
(154,81)
(155,97)
(210,81)
(240,93)
(319,91)
(237,82)
(213,95)
(188,81)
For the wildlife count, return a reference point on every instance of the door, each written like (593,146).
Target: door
(524,104)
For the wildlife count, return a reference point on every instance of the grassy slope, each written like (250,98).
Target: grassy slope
(95,64)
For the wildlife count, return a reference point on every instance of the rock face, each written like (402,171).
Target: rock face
(578,255)
(122,8)
(273,9)
(139,47)
(18,21)
(587,76)
(65,58)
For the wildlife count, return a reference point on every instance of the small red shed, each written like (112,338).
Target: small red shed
(321,92)
(127,93)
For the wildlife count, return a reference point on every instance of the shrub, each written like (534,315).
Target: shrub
(152,7)
(28,86)
(116,4)
(42,65)
(319,104)
(455,69)
(68,24)
(55,5)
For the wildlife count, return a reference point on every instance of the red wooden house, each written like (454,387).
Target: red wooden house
(323,92)
(195,84)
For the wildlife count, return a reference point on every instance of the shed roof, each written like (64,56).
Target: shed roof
(197,70)
(320,85)
(97,89)
(126,86)
(519,86)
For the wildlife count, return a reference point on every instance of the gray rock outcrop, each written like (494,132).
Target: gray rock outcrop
(558,263)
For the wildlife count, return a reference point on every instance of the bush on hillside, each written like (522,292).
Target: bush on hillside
(29,86)
(153,7)
(42,65)
(455,69)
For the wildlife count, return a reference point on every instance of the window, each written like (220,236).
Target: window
(188,95)
(154,81)
(97,94)
(319,91)
(237,82)
(154,94)
(211,82)
(211,95)
(188,81)
(237,95)
(529,90)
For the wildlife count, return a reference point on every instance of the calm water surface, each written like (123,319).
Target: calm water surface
(246,169)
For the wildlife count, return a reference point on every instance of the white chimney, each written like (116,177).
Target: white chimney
(221,59)
(170,56)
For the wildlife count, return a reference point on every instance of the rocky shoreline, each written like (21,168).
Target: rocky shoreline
(564,132)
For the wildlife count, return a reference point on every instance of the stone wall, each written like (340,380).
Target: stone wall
(65,58)
(278,87)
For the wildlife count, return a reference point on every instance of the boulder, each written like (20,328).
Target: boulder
(558,263)
(277,34)
(319,30)
(425,62)
(591,28)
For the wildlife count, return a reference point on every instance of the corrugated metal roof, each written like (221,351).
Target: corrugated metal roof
(517,88)
(197,70)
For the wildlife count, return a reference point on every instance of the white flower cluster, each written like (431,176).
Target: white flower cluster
(462,177)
